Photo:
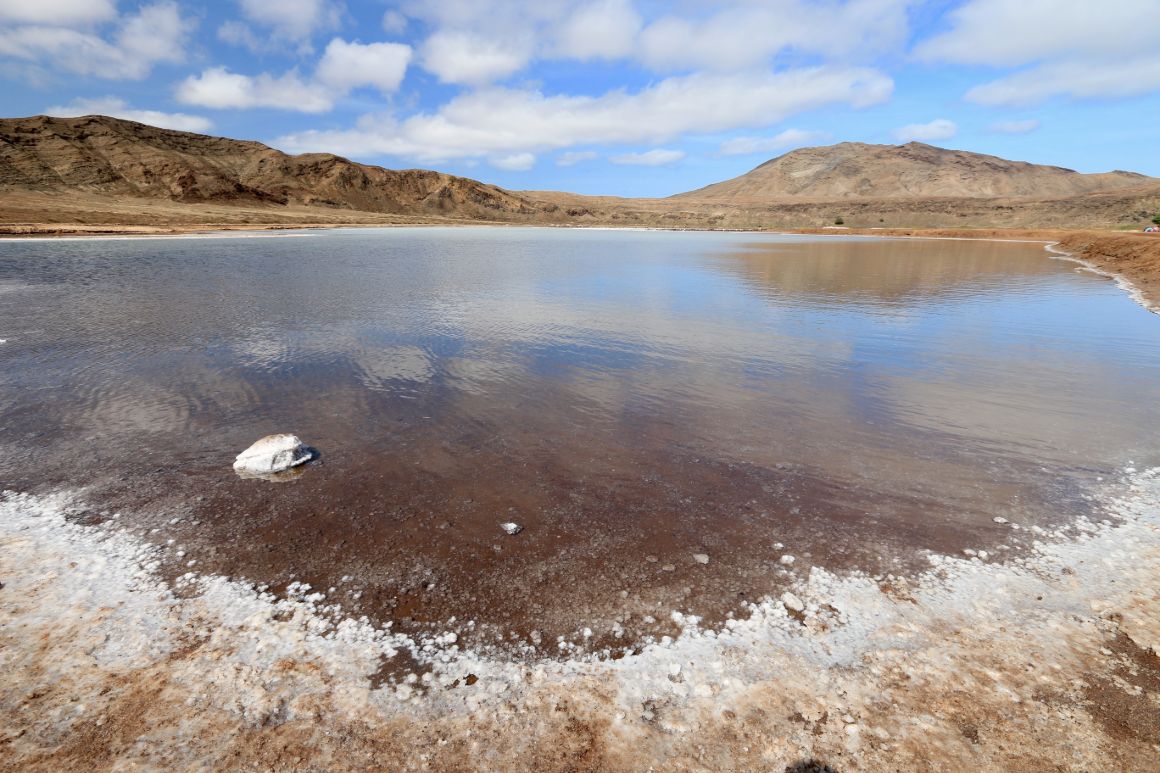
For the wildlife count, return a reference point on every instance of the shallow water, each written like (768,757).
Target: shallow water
(630,398)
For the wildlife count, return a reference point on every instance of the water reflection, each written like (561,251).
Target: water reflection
(618,394)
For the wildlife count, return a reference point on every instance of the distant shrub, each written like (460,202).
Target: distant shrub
(1156,220)
(839,221)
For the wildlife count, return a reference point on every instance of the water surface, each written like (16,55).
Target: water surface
(632,399)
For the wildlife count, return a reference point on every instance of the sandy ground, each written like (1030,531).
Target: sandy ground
(1045,662)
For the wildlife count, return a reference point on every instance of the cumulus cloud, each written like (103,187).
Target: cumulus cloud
(344,66)
(60,13)
(498,120)
(156,33)
(655,157)
(938,129)
(394,22)
(1015,127)
(1004,34)
(1078,79)
(573,157)
(743,35)
(464,57)
(516,162)
(1080,50)
(118,108)
(219,88)
(602,30)
(292,19)
(786,139)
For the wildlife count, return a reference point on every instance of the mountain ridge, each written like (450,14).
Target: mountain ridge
(99,154)
(852,170)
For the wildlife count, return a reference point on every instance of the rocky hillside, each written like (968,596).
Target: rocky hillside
(856,170)
(108,156)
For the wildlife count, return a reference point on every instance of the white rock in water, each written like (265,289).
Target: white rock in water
(511,528)
(792,602)
(273,453)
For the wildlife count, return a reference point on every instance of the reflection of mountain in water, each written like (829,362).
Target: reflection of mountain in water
(888,272)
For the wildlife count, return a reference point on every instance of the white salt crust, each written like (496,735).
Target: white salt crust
(236,651)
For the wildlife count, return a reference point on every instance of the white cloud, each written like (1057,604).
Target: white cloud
(1015,127)
(464,57)
(1003,33)
(1079,79)
(1073,49)
(155,34)
(58,12)
(219,88)
(573,157)
(497,120)
(606,29)
(118,108)
(296,20)
(346,66)
(343,67)
(394,22)
(747,34)
(655,157)
(516,162)
(786,139)
(938,129)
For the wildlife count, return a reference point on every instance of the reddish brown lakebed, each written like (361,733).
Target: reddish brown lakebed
(636,401)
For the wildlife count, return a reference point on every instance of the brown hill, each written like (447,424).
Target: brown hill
(856,170)
(117,158)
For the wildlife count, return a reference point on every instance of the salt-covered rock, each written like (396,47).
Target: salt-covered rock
(701,558)
(792,602)
(273,453)
(511,528)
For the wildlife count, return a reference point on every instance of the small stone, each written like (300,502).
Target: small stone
(786,560)
(701,558)
(668,568)
(511,528)
(651,559)
(792,602)
(1000,519)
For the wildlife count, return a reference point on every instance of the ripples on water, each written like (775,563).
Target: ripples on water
(621,394)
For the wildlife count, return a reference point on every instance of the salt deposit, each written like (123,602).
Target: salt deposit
(226,668)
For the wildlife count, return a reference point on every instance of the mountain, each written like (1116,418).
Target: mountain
(117,158)
(101,174)
(854,170)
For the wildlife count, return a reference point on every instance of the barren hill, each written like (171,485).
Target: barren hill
(117,158)
(914,170)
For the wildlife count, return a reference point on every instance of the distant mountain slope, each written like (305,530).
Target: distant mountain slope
(914,170)
(98,154)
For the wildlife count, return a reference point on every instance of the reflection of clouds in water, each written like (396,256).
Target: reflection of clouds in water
(138,408)
(262,351)
(380,366)
(481,372)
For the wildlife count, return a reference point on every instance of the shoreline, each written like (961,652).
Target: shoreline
(1043,660)
(1131,257)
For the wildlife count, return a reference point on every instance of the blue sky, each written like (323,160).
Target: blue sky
(619,97)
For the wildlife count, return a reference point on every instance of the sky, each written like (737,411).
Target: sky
(614,97)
